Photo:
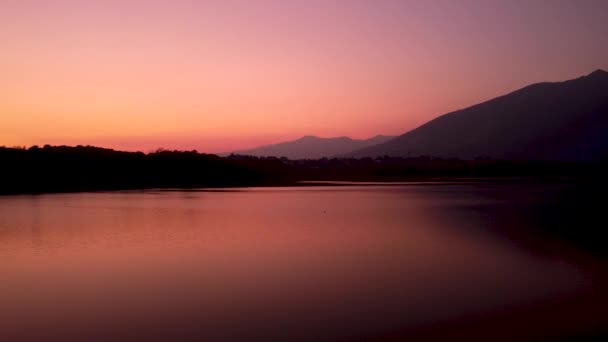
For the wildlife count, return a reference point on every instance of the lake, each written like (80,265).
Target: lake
(310,263)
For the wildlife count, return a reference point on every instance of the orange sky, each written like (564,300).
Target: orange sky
(222,75)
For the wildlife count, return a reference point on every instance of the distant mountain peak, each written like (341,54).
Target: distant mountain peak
(598,72)
(311,146)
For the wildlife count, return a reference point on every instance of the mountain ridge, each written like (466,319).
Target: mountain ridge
(313,147)
(547,120)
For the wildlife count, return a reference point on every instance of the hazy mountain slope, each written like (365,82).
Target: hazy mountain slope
(564,120)
(311,147)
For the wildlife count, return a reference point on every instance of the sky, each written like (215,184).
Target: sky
(223,75)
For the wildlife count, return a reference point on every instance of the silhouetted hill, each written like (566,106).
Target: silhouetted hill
(545,121)
(311,147)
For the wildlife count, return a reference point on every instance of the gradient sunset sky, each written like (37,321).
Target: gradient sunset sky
(223,75)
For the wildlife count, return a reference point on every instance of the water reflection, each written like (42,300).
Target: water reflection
(312,263)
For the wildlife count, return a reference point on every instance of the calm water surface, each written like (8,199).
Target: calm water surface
(302,263)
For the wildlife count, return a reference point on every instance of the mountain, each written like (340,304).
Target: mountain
(311,147)
(546,121)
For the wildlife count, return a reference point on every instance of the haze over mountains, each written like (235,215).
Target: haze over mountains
(546,121)
(312,147)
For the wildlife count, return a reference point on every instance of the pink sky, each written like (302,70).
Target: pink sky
(222,75)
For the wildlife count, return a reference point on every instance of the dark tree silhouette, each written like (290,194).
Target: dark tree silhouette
(87,168)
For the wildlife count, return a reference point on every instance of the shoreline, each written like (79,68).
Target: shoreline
(418,181)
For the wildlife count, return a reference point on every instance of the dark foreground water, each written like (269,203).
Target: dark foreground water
(306,263)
